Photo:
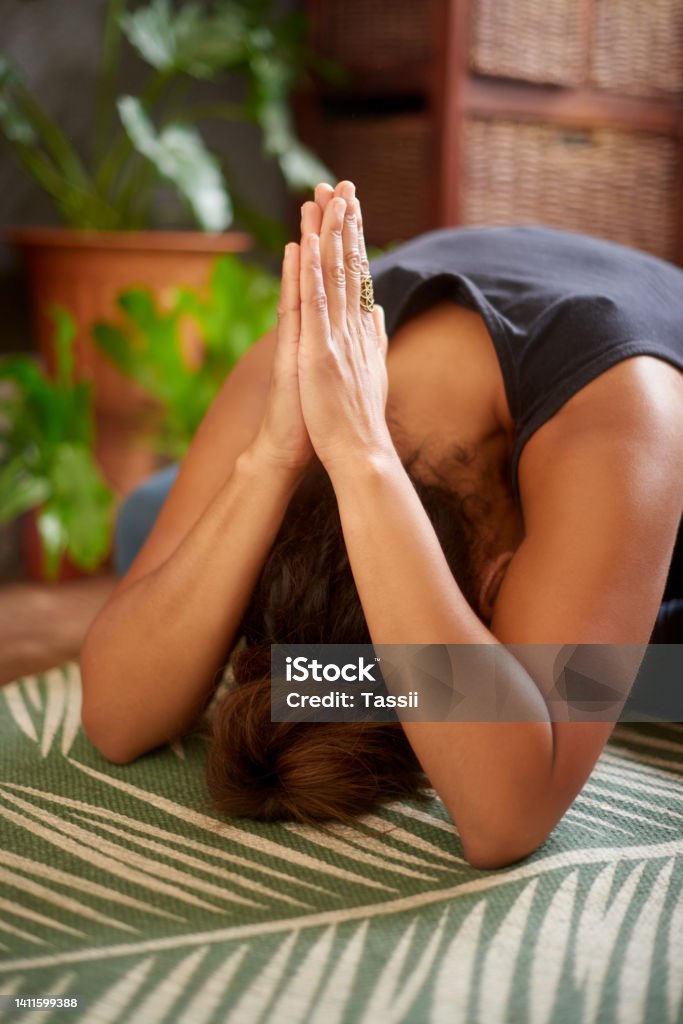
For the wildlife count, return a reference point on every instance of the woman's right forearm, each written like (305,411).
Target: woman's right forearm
(150,658)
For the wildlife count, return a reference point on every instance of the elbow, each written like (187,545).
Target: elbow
(104,739)
(111,747)
(492,849)
(97,724)
(488,857)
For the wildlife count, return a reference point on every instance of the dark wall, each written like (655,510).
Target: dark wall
(56,44)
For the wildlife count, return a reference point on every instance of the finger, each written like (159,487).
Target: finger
(311,218)
(332,260)
(380,327)
(323,193)
(352,260)
(314,308)
(289,305)
(365,265)
(346,189)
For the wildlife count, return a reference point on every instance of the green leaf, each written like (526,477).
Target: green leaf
(113,342)
(151,31)
(82,505)
(238,307)
(155,338)
(15,125)
(82,425)
(148,350)
(53,538)
(43,412)
(188,39)
(301,168)
(23,371)
(43,406)
(64,338)
(270,90)
(106,83)
(26,123)
(19,489)
(180,156)
(139,305)
(46,153)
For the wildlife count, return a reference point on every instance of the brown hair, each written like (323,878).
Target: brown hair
(321,771)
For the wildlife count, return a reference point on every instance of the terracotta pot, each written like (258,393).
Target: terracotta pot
(33,558)
(84,271)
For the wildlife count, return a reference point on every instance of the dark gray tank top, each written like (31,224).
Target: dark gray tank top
(561,308)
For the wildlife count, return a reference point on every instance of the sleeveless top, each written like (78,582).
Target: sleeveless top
(561,308)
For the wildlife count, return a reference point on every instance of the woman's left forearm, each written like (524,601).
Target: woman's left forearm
(492,776)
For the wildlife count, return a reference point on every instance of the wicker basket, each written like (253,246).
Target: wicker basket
(391,161)
(361,33)
(638,46)
(618,185)
(532,40)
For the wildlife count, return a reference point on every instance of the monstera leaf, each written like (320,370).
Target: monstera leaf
(179,155)
(188,39)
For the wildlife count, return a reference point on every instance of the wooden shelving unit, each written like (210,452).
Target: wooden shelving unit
(566,112)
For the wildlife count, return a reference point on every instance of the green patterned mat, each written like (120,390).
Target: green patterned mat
(120,888)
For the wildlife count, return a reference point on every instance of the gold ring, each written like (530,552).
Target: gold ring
(367,295)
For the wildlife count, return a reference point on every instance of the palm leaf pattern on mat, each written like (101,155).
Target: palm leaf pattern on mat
(117,885)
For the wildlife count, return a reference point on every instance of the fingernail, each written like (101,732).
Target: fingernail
(348,190)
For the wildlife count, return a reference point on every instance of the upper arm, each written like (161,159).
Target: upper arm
(601,509)
(227,429)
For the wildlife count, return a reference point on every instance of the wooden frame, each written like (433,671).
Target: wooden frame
(452,91)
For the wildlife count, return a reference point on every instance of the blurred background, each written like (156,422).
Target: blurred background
(168,145)
(563,112)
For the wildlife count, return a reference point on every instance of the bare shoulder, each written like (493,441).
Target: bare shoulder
(601,487)
(643,390)
(635,406)
(227,429)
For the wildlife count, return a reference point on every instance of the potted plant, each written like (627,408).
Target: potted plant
(215,326)
(48,474)
(109,198)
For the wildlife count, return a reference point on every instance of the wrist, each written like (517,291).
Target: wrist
(357,470)
(264,462)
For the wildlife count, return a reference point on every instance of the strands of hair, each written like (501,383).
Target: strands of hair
(323,771)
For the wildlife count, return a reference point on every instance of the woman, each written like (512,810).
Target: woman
(510,471)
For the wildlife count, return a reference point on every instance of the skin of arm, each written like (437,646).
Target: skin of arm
(504,784)
(150,658)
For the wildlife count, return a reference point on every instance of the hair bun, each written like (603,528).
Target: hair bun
(299,771)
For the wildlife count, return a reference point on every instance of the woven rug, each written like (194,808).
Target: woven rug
(120,888)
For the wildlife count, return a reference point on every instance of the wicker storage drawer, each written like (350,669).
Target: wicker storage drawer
(619,185)
(638,46)
(358,33)
(532,40)
(391,160)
